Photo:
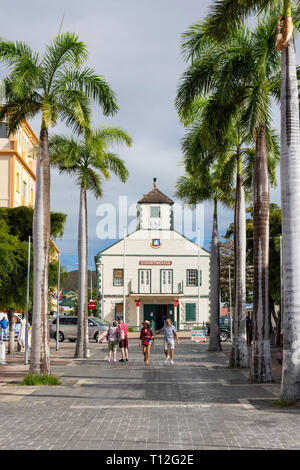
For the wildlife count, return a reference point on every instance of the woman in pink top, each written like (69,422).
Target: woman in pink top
(123,339)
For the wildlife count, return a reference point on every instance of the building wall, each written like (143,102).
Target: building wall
(165,215)
(183,255)
(4,180)
(18,153)
(132,312)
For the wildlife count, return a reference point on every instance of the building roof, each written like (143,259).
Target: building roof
(156,197)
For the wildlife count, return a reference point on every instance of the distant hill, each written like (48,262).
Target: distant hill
(71,282)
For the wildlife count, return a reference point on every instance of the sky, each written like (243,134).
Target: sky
(135,45)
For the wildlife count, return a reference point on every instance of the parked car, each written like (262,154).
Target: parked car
(68,329)
(225,322)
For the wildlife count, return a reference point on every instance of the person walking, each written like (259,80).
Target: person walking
(170,334)
(123,339)
(112,338)
(4,325)
(21,335)
(249,328)
(146,337)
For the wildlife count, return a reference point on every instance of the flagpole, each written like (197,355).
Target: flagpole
(57,317)
(198,277)
(124,278)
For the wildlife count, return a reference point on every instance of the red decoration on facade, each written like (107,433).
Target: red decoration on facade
(137,302)
(176,303)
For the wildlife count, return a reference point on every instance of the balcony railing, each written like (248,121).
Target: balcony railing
(133,288)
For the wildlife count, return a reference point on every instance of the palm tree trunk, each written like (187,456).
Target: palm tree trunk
(239,351)
(290,197)
(40,350)
(261,370)
(214,340)
(45,343)
(82,327)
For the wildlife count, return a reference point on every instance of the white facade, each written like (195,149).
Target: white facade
(161,266)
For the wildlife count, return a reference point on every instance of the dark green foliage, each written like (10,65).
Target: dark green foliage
(19,222)
(15,228)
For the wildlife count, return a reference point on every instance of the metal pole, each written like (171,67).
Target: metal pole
(57,317)
(281,285)
(230,304)
(198,280)
(124,278)
(91,285)
(27,306)
(102,297)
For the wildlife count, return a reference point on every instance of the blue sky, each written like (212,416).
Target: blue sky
(135,45)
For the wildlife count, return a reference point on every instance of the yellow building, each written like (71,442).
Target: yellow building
(17,166)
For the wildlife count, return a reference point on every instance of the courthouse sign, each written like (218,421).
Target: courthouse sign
(155,262)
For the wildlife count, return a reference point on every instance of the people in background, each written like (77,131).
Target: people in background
(112,338)
(170,334)
(146,337)
(21,335)
(3,325)
(249,328)
(123,339)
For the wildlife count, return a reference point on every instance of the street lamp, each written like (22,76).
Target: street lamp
(57,316)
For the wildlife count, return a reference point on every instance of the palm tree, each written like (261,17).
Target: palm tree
(88,159)
(54,86)
(207,180)
(225,16)
(220,124)
(262,83)
(244,71)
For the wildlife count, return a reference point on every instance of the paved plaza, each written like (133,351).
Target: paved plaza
(198,403)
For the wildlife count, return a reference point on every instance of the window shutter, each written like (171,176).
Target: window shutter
(190,312)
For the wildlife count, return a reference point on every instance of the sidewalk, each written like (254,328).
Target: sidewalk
(198,403)
(276,367)
(15,369)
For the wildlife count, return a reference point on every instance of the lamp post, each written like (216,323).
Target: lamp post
(57,317)
(102,290)
(198,276)
(124,277)
(230,302)
(91,285)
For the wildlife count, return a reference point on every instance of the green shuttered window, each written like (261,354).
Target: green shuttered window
(190,312)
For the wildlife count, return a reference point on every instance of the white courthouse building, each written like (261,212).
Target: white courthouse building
(155,270)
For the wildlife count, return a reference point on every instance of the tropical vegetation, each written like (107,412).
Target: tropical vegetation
(55,86)
(89,159)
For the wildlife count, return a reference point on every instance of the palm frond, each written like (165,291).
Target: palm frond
(94,86)
(14,52)
(110,136)
(226,16)
(65,49)
(194,42)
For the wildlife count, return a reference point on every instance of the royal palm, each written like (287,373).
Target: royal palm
(54,86)
(207,179)
(225,16)
(242,74)
(88,159)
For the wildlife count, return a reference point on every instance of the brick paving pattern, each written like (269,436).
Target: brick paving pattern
(199,403)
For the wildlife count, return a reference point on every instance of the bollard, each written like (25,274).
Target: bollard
(2,352)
